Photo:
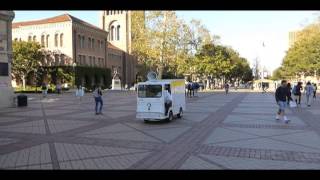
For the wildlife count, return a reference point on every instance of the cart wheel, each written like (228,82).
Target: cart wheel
(180,113)
(170,118)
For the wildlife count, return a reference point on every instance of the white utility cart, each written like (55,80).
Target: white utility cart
(151,101)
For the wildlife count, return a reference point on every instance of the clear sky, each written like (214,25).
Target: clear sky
(243,30)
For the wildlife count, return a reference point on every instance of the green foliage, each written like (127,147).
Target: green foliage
(92,76)
(222,62)
(303,56)
(26,59)
(173,48)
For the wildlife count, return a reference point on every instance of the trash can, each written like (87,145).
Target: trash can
(22,100)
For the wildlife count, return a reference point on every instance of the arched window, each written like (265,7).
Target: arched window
(47,40)
(82,41)
(34,39)
(56,40)
(79,41)
(42,40)
(110,12)
(107,12)
(112,32)
(29,39)
(62,61)
(92,44)
(61,40)
(118,32)
(89,43)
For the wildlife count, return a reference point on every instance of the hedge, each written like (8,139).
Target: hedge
(89,73)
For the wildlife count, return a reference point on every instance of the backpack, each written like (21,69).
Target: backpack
(189,86)
(294,90)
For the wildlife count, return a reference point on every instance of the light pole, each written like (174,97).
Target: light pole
(74,73)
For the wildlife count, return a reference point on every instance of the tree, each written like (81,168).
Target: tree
(26,59)
(304,55)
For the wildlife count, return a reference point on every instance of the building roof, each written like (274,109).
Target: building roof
(111,46)
(56,19)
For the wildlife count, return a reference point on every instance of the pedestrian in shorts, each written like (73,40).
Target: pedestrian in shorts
(281,95)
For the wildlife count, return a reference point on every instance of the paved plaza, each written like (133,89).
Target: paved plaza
(218,131)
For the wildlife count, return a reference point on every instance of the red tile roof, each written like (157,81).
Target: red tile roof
(111,46)
(56,19)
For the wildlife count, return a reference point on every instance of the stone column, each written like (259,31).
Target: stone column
(6,95)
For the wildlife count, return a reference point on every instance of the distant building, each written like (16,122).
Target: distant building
(119,25)
(75,42)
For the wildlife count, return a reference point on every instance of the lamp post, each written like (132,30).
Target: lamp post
(74,73)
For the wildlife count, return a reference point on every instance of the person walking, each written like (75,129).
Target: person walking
(189,88)
(289,89)
(263,88)
(44,89)
(281,95)
(167,100)
(226,88)
(296,91)
(315,91)
(309,91)
(58,87)
(97,94)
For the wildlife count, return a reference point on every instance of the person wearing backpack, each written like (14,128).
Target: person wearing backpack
(309,90)
(97,94)
(297,92)
(189,88)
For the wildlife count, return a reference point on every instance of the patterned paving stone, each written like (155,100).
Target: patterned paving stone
(257,110)
(56,112)
(4,119)
(260,119)
(34,127)
(67,152)
(113,162)
(35,155)
(168,134)
(4,141)
(118,127)
(308,139)
(195,117)
(30,113)
(248,163)
(64,125)
(223,135)
(266,143)
(119,131)
(194,162)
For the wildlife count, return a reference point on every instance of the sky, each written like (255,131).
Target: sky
(244,31)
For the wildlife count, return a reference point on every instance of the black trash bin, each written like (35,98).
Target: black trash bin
(22,100)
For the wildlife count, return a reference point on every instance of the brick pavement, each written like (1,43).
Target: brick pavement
(218,131)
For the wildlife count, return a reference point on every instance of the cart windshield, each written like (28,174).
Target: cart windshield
(149,91)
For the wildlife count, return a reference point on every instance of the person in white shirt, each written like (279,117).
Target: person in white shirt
(309,91)
(167,100)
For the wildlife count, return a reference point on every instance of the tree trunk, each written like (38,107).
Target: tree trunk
(160,72)
(24,82)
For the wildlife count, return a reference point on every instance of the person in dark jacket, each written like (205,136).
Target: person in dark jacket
(289,89)
(281,95)
(297,93)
